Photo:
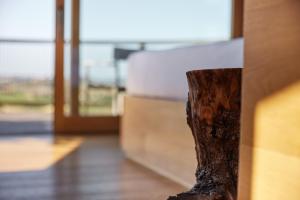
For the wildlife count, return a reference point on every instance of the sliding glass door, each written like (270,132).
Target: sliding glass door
(85,97)
(95,37)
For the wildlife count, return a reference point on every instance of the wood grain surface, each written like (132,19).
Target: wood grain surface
(270,128)
(155,134)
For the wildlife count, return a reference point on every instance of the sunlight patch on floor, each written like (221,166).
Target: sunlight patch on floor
(27,154)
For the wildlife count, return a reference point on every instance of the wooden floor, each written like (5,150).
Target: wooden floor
(75,168)
(23,123)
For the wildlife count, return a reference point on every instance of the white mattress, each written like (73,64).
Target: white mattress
(162,74)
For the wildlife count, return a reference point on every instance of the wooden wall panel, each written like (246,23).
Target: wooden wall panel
(237,18)
(270,141)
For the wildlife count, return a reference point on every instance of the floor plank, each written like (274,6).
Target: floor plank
(83,168)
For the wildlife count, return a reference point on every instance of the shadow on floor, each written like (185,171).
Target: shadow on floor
(25,123)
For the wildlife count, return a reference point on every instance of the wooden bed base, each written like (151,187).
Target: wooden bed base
(167,148)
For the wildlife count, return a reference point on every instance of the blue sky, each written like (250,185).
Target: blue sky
(106,19)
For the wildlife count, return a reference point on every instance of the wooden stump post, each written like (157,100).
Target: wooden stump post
(213,114)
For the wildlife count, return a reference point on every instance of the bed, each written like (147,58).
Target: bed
(154,132)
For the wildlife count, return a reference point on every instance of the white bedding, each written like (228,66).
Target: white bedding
(162,73)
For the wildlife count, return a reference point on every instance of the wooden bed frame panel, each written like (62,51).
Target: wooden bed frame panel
(168,147)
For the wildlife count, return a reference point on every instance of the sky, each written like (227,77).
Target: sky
(104,20)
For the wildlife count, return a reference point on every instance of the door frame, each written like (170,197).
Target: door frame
(73,123)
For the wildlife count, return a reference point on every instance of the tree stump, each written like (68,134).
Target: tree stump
(213,114)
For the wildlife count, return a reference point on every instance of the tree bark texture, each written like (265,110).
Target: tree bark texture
(213,114)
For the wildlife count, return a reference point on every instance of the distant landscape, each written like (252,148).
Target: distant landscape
(25,92)
(36,95)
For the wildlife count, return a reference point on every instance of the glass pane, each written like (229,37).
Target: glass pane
(200,20)
(67,57)
(67,76)
(27,19)
(27,60)
(26,65)
(101,77)
(26,78)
